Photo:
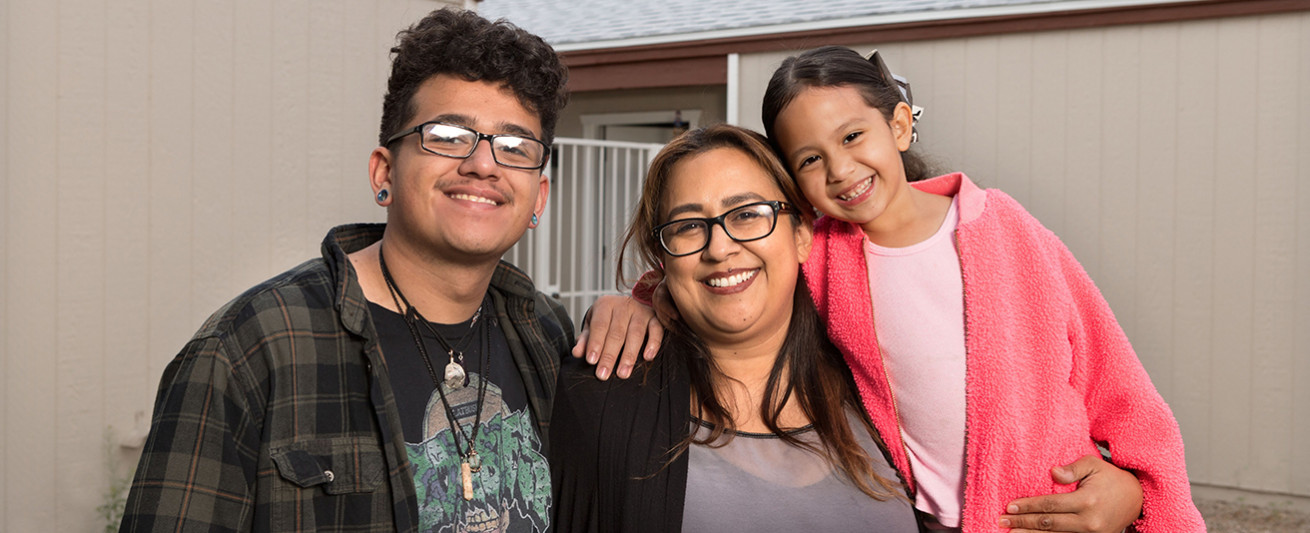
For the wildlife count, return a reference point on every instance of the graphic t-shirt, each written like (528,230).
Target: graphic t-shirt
(511,490)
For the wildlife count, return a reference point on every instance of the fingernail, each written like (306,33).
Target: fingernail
(1012,509)
(592,358)
(650,354)
(1005,522)
(602,373)
(625,371)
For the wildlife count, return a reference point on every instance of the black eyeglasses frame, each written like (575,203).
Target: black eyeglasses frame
(779,207)
(491,139)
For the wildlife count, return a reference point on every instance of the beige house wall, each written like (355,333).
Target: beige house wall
(1174,160)
(159,157)
(709,100)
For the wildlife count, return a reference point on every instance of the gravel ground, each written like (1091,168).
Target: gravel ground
(1236,517)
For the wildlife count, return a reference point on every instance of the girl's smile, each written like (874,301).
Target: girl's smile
(857,192)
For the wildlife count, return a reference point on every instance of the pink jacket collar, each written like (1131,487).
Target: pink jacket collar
(972,198)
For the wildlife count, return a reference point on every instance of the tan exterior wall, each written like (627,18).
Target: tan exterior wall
(1174,160)
(159,157)
(708,99)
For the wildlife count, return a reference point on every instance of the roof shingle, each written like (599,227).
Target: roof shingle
(586,21)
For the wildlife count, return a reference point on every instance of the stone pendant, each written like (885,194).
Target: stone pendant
(466,477)
(454,375)
(474,461)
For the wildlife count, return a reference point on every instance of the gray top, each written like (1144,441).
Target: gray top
(757,482)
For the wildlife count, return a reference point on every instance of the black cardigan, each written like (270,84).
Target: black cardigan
(609,442)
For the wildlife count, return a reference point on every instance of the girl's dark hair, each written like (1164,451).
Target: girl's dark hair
(820,382)
(836,66)
(465,45)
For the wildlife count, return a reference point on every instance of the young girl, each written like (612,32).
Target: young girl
(982,351)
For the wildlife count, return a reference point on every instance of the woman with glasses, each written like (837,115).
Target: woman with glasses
(749,419)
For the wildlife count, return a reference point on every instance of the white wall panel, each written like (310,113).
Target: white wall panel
(1011,169)
(1275,95)
(948,88)
(79,236)
(1081,209)
(1156,225)
(172,128)
(1121,148)
(1047,154)
(1234,260)
(981,68)
(251,182)
(129,381)
(325,122)
(211,146)
(1301,343)
(291,123)
(31,274)
(1193,270)
(4,245)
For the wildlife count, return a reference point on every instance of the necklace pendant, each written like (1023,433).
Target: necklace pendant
(474,461)
(455,375)
(466,478)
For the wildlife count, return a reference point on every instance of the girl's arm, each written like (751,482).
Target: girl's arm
(1126,414)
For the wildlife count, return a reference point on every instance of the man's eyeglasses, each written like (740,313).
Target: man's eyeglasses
(449,140)
(750,222)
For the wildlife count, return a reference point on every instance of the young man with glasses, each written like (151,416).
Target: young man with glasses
(403,381)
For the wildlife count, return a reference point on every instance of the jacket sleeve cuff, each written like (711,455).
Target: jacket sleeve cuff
(644,290)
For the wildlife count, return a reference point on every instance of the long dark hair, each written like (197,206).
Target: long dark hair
(819,380)
(836,66)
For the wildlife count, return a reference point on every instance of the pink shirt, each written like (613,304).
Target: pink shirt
(918,314)
(1049,371)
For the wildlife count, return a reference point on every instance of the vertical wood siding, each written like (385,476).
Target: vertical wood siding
(4,244)
(159,157)
(1174,160)
(30,256)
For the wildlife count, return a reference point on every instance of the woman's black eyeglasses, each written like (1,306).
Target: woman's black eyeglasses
(750,222)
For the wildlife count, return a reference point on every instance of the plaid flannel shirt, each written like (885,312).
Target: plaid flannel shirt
(278,414)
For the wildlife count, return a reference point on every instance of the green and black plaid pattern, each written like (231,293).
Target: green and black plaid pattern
(278,415)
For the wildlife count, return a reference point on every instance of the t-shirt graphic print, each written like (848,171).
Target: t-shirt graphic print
(511,490)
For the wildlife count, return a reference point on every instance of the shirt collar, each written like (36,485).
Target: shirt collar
(339,243)
(350,302)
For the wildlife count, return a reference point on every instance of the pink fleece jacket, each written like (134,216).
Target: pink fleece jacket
(1049,372)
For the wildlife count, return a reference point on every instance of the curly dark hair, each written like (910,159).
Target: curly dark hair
(462,43)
